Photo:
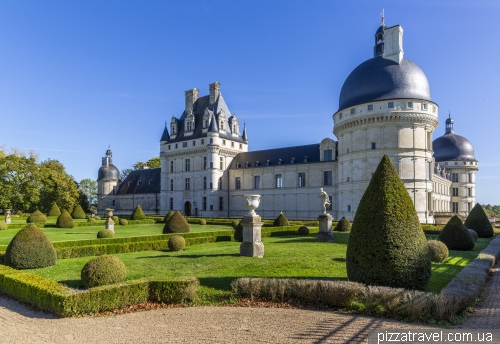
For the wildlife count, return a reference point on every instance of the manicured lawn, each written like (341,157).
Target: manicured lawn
(217,264)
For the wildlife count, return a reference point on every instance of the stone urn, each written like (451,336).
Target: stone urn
(8,219)
(110,224)
(252,202)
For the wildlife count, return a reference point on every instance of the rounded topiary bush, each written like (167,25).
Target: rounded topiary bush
(478,221)
(103,270)
(115,218)
(238,232)
(202,222)
(96,217)
(168,216)
(281,220)
(234,223)
(78,212)
(176,243)
(387,246)
(30,249)
(176,224)
(123,222)
(19,213)
(3,226)
(65,220)
(54,210)
(439,251)
(474,234)
(36,217)
(105,234)
(303,230)
(456,236)
(138,214)
(91,220)
(344,225)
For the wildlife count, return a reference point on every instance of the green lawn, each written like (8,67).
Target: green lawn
(217,264)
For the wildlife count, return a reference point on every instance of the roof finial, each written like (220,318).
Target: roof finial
(449,114)
(383,17)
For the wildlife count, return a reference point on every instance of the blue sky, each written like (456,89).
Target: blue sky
(77,76)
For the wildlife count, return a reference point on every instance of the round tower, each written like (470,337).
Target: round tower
(107,180)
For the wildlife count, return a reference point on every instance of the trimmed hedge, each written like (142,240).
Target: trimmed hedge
(176,243)
(105,234)
(65,220)
(344,225)
(36,217)
(303,230)
(103,270)
(456,236)
(123,222)
(281,220)
(138,214)
(238,232)
(176,224)
(202,222)
(439,251)
(78,212)
(54,210)
(478,221)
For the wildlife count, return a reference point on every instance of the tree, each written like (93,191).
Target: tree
(387,245)
(88,187)
(151,163)
(125,172)
(57,186)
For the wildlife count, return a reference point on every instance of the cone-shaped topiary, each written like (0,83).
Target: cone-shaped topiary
(176,224)
(238,232)
(168,216)
(387,245)
(281,220)
(478,221)
(344,225)
(105,234)
(54,210)
(78,212)
(439,251)
(65,220)
(456,236)
(303,230)
(36,217)
(473,233)
(30,249)
(138,214)
(176,243)
(103,270)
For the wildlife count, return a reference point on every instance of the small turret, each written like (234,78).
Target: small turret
(244,135)
(165,136)
(449,125)
(213,128)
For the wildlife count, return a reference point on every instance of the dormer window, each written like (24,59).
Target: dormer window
(293,160)
(256,164)
(139,182)
(390,105)
(306,159)
(279,161)
(268,162)
(353,111)
(370,107)
(409,105)
(247,164)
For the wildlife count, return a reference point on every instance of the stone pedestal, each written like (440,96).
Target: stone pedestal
(110,224)
(8,219)
(251,245)
(325,233)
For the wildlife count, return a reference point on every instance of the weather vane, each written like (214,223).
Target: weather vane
(383,16)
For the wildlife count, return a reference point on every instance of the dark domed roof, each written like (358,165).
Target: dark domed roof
(108,172)
(451,146)
(380,78)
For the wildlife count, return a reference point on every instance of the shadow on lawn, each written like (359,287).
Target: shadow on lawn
(190,255)
(221,283)
(75,284)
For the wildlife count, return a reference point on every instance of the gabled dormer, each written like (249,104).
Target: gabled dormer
(235,125)
(189,123)
(222,120)
(207,116)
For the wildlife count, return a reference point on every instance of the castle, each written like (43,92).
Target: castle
(385,107)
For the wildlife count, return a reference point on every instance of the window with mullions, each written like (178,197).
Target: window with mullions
(279,180)
(237,183)
(187,166)
(327,155)
(256,182)
(302,180)
(188,184)
(327,178)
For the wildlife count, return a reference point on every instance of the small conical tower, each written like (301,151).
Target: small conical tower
(107,180)
(244,136)
(378,49)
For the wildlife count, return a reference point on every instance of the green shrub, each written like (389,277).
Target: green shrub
(123,222)
(281,220)
(103,270)
(456,236)
(36,217)
(473,233)
(30,249)
(344,225)
(19,213)
(387,246)
(176,243)
(65,220)
(202,222)
(54,210)
(78,212)
(238,232)
(439,251)
(96,217)
(478,221)
(234,223)
(3,226)
(105,234)
(176,224)
(115,219)
(303,230)
(168,216)
(91,220)
(138,214)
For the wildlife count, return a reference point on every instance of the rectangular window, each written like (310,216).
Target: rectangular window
(390,105)
(113,202)
(194,143)
(221,203)
(204,162)
(211,186)
(171,204)
(202,142)
(330,199)
(114,189)
(348,179)
(470,177)
(168,147)
(237,183)
(187,164)
(370,107)
(176,146)
(409,105)
(188,184)
(374,145)
(172,166)
(348,207)
(211,207)
(279,180)
(302,180)
(221,163)
(204,183)
(223,142)
(454,177)
(211,164)
(469,192)
(256,182)
(220,183)
(327,155)
(424,106)
(454,192)
(204,203)
(454,207)
(184,144)
(241,146)
(171,185)
(327,178)
(340,115)
(469,206)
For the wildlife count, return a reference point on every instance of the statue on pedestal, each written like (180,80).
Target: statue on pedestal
(324,200)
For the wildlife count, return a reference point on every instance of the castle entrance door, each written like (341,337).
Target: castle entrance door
(187,208)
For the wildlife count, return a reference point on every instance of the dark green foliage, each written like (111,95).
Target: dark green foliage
(168,216)
(456,236)
(439,251)
(115,219)
(234,223)
(91,220)
(105,234)
(176,243)
(36,217)
(303,230)
(103,270)
(123,222)
(238,232)
(30,249)
(3,226)
(176,224)
(65,220)
(138,214)
(344,225)
(281,220)
(54,210)
(473,233)
(78,212)
(96,217)
(19,213)
(387,246)
(478,221)
(202,222)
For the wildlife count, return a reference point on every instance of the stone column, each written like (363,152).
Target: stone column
(8,219)
(252,225)
(325,233)
(110,224)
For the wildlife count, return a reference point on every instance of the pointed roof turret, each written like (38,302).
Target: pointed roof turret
(244,136)
(108,152)
(213,128)
(449,125)
(165,136)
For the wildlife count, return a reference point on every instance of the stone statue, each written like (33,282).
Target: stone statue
(324,200)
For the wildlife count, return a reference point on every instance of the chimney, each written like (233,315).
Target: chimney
(191,97)
(214,92)
(393,43)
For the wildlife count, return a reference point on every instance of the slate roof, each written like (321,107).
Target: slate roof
(109,172)
(450,147)
(273,155)
(141,182)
